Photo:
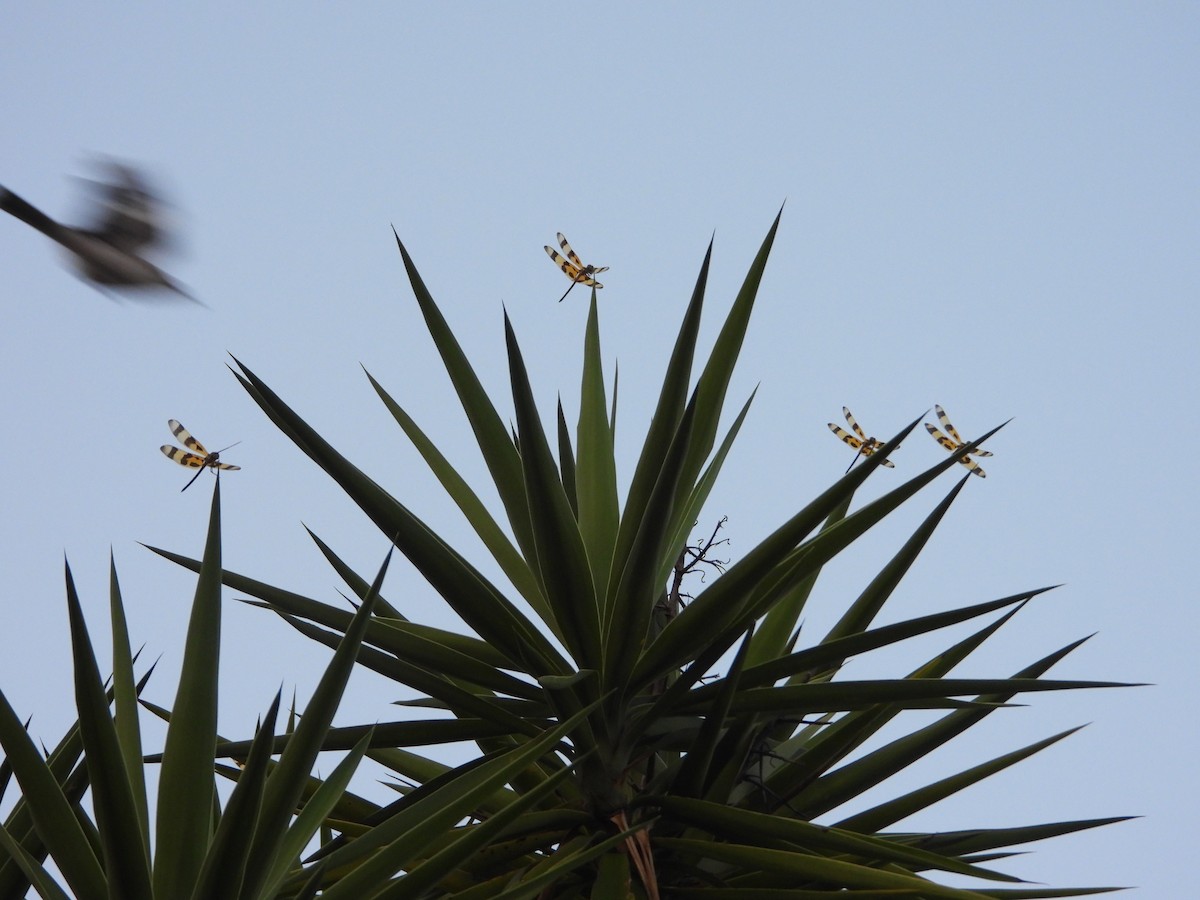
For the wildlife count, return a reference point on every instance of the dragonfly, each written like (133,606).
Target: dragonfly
(863,444)
(954,442)
(573,267)
(200,459)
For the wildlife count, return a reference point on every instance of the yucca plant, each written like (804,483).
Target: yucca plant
(671,749)
(85,805)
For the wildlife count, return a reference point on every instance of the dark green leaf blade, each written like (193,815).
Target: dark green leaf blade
(126,862)
(185,785)
(562,560)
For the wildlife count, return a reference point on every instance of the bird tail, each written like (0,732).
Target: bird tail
(28,213)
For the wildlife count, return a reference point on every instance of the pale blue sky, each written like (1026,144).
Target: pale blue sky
(991,207)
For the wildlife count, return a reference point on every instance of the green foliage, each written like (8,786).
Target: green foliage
(714,775)
(630,744)
(201,852)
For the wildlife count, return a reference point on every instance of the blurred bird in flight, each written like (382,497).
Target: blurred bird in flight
(108,253)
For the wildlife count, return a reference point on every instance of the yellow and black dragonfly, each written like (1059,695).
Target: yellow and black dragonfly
(573,267)
(199,459)
(954,442)
(859,440)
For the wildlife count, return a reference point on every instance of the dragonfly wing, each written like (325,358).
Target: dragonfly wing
(846,436)
(853,424)
(575,273)
(185,437)
(571,254)
(953,433)
(941,438)
(973,466)
(191,460)
(950,430)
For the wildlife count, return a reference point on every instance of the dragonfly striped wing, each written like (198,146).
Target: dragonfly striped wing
(192,461)
(950,430)
(866,446)
(185,437)
(196,456)
(954,442)
(573,267)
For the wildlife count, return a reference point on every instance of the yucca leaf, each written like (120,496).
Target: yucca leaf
(397,842)
(742,825)
(6,769)
(185,784)
(464,588)
(980,839)
(777,564)
(387,616)
(727,603)
(853,778)
(125,706)
(514,566)
(822,751)
(784,616)
(779,627)
(225,866)
(827,654)
(34,872)
(596,478)
(61,763)
(803,699)
(506,853)
(626,630)
(288,779)
(860,614)
(693,776)
(672,401)
(450,695)
(678,691)
(686,511)
(126,860)
(566,461)
(1044,893)
(51,812)
(832,540)
(808,558)
(359,585)
(562,560)
(309,889)
(385,734)
(563,864)
(285,603)
(714,380)
(813,869)
(612,415)
(499,453)
(430,779)
(419,662)
(432,870)
(313,813)
(885,814)
(716,893)
(614,876)
(453,659)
